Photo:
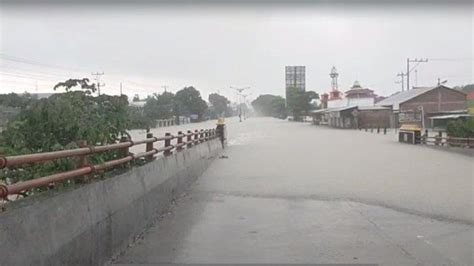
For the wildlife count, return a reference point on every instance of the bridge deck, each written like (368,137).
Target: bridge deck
(296,193)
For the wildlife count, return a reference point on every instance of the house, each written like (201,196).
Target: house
(423,102)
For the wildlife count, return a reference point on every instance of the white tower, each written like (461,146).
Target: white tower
(334,76)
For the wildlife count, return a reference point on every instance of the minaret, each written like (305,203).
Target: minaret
(335,93)
(334,76)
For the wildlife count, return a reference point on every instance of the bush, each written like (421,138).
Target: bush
(461,128)
(56,123)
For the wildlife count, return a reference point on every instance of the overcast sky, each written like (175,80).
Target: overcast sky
(212,46)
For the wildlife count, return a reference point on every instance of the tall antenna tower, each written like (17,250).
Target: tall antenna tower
(334,76)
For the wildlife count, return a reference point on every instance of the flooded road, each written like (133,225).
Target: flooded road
(296,193)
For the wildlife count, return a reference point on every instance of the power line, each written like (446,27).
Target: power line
(418,61)
(35,71)
(33,62)
(24,76)
(451,59)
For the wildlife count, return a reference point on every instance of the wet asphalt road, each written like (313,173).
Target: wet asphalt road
(297,193)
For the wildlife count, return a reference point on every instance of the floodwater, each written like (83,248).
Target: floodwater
(292,192)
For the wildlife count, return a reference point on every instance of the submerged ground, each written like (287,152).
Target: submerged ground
(290,192)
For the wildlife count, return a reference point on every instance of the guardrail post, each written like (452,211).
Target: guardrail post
(206,134)
(378,130)
(180,140)
(189,139)
(83,158)
(385,131)
(81,163)
(149,147)
(125,151)
(201,135)
(167,144)
(196,136)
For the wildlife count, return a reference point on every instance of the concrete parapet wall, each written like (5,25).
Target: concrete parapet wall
(89,224)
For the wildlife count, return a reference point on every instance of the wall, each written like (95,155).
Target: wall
(374,118)
(89,224)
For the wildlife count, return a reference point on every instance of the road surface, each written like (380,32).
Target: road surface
(290,192)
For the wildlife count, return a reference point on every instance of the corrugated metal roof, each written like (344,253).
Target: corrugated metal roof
(450,116)
(338,109)
(401,97)
(367,108)
(319,111)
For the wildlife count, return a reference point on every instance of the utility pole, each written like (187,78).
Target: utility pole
(239,93)
(97,78)
(402,75)
(416,77)
(165,87)
(120,88)
(409,70)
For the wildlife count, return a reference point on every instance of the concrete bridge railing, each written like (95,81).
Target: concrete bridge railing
(87,225)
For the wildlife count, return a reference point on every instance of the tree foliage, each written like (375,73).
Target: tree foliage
(161,106)
(299,102)
(73,83)
(16,100)
(58,122)
(270,105)
(219,105)
(189,102)
(461,128)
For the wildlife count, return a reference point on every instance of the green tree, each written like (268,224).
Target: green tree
(16,100)
(189,102)
(136,98)
(220,104)
(270,105)
(58,122)
(161,106)
(299,102)
(461,128)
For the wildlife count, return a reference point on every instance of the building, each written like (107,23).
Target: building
(355,110)
(357,92)
(424,102)
(295,77)
(355,96)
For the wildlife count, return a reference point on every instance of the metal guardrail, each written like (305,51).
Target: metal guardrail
(448,141)
(183,140)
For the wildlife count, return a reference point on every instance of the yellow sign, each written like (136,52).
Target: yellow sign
(410,127)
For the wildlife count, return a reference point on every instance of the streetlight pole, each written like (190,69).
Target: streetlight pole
(239,93)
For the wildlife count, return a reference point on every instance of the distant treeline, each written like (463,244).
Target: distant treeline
(297,105)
